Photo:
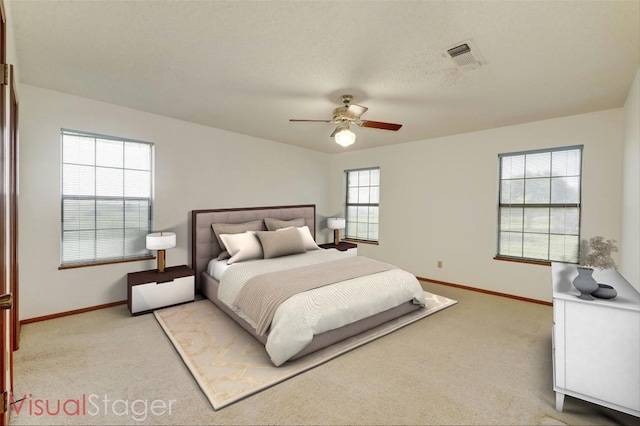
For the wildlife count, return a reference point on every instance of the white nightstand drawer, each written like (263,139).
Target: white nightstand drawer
(153,295)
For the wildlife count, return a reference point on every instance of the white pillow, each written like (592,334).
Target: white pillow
(307,239)
(244,246)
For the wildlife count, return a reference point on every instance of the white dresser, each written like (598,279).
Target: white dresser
(596,344)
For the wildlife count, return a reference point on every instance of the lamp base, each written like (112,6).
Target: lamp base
(336,236)
(161,264)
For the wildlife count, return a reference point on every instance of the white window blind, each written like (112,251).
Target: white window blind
(363,204)
(539,206)
(106,201)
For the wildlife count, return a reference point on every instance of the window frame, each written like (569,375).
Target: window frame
(146,254)
(348,204)
(550,205)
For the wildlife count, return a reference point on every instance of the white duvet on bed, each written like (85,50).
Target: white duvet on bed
(216,268)
(313,312)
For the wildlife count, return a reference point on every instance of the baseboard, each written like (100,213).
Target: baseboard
(122,302)
(481,290)
(74,312)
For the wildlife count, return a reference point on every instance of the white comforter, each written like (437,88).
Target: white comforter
(313,312)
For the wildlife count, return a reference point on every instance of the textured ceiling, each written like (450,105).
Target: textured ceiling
(249,66)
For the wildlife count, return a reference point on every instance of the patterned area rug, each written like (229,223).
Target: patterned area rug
(229,364)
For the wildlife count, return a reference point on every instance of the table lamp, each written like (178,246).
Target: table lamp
(336,223)
(161,241)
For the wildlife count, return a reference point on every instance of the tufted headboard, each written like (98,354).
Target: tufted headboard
(204,245)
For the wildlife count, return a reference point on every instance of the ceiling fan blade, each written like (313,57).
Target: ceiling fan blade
(380,125)
(310,121)
(355,111)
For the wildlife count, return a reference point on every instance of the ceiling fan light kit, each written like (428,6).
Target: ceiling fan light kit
(345,137)
(349,114)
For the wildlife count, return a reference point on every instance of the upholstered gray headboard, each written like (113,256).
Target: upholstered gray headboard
(204,245)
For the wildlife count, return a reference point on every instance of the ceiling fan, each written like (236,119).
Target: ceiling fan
(349,114)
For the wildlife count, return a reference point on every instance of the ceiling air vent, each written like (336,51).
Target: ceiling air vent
(465,55)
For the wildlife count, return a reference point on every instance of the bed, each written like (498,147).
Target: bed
(362,302)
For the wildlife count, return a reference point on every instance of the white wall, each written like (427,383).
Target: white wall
(439,198)
(429,190)
(197,167)
(630,238)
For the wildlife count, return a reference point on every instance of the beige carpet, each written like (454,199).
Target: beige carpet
(484,361)
(229,364)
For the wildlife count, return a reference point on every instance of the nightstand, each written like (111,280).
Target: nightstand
(342,246)
(149,290)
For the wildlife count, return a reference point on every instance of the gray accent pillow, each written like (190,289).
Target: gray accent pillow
(233,228)
(307,240)
(281,243)
(275,224)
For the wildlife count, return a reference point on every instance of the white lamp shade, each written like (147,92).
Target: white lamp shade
(345,137)
(336,223)
(161,240)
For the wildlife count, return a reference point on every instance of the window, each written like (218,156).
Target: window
(363,198)
(106,198)
(539,207)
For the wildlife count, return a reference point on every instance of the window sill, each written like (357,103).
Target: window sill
(519,260)
(353,240)
(106,262)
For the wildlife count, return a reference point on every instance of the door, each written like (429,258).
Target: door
(8,224)
(5,296)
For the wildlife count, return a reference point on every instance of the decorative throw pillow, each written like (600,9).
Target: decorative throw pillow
(307,239)
(275,224)
(245,246)
(233,228)
(282,243)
